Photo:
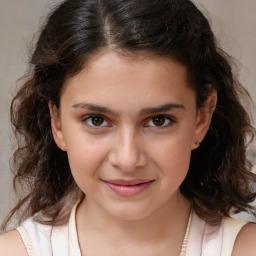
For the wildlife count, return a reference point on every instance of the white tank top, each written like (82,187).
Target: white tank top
(203,240)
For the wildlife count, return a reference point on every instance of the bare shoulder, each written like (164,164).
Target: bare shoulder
(245,243)
(12,244)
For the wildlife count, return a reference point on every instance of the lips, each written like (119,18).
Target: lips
(128,188)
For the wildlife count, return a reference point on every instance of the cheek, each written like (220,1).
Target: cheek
(85,157)
(177,156)
(172,156)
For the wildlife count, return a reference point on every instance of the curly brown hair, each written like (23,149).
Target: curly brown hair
(219,177)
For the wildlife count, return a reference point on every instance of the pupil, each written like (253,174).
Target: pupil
(97,120)
(158,121)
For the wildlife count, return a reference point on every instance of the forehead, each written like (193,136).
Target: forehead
(110,79)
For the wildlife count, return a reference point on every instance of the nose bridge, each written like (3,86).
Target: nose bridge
(128,152)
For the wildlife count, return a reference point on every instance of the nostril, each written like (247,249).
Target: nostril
(127,162)
(126,151)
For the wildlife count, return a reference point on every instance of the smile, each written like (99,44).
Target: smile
(128,188)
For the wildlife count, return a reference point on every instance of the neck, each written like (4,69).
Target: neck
(168,222)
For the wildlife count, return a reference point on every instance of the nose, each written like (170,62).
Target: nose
(127,153)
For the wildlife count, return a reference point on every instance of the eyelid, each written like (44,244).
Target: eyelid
(172,120)
(87,117)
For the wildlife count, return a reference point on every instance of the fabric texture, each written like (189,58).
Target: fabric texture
(27,241)
(230,230)
(203,240)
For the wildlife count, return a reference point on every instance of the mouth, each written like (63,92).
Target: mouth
(128,188)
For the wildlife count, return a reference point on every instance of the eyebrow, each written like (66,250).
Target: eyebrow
(145,111)
(162,108)
(95,108)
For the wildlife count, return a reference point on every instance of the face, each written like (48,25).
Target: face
(128,126)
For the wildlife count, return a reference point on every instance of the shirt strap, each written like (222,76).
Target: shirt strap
(26,240)
(231,229)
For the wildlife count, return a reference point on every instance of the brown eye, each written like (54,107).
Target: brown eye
(159,120)
(96,121)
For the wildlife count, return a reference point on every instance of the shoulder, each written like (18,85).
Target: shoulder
(245,243)
(12,244)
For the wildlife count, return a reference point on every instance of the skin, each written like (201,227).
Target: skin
(132,139)
(128,145)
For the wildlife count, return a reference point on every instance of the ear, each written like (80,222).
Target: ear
(56,127)
(204,117)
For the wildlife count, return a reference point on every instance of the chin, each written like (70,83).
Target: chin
(130,213)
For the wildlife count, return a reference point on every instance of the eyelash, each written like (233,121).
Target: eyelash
(171,120)
(90,117)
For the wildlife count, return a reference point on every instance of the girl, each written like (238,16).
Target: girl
(131,137)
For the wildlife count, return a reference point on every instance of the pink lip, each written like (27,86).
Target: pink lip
(128,188)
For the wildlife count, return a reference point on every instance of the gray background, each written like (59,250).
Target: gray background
(234,22)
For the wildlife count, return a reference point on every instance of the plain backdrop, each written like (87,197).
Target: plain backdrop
(234,22)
